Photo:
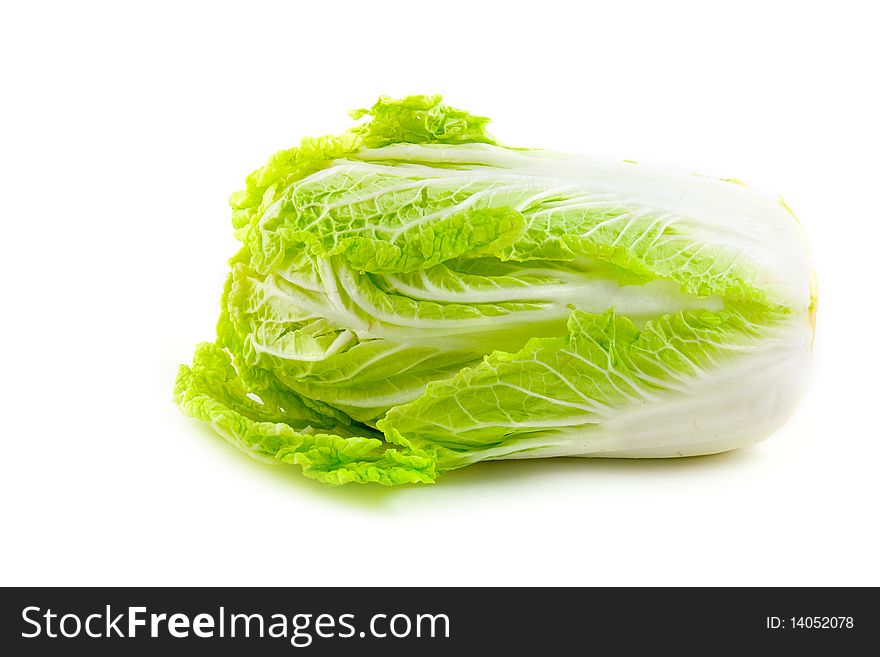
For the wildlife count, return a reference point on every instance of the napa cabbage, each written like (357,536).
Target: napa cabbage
(411,297)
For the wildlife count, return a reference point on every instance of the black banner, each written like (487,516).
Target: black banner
(277,621)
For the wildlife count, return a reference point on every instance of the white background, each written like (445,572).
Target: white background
(124,129)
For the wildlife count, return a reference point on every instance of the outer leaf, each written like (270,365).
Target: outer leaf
(213,393)
(570,395)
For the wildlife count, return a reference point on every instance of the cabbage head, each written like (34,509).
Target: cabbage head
(411,297)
